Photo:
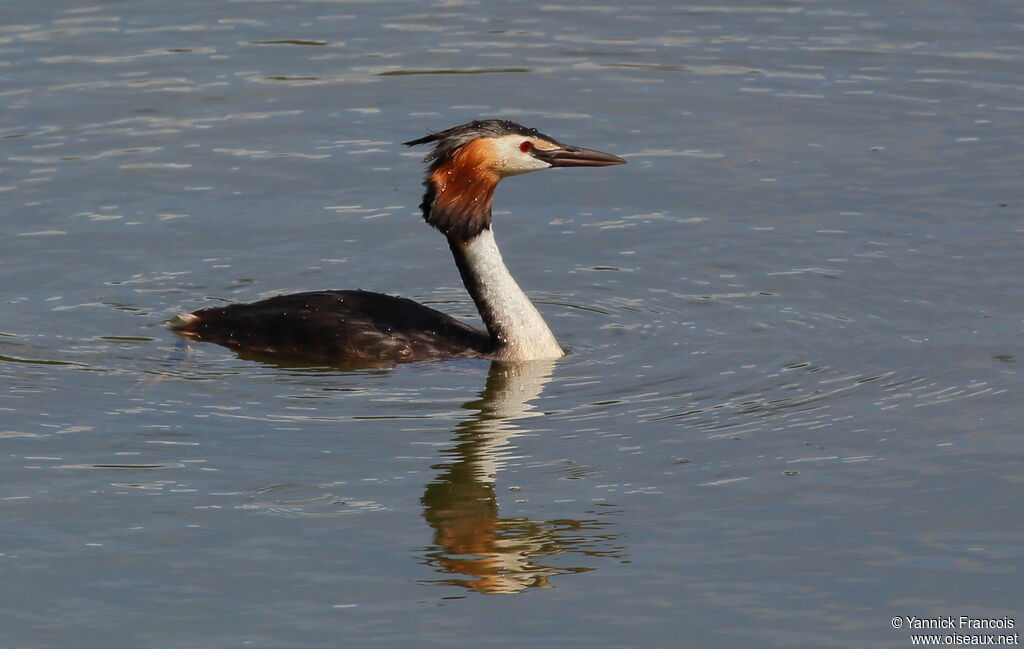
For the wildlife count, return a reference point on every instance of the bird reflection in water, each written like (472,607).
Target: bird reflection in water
(492,554)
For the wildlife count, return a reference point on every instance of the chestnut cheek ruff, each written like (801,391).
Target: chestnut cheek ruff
(459,192)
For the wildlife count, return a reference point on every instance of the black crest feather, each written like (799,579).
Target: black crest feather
(450,140)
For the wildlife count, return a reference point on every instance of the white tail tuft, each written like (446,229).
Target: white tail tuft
(183,320)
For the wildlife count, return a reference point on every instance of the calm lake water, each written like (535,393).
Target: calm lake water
(792,408)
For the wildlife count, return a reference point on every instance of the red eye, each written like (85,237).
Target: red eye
(526,146)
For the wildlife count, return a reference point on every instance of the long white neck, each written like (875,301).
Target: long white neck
(515,325)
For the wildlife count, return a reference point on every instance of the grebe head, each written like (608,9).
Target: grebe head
(469,160)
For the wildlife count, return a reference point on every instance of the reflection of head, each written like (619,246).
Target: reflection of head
(497,555)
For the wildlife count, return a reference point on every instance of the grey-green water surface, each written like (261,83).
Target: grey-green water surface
(792,408)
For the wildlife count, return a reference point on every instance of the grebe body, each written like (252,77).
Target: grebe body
(338,326)
(360,327)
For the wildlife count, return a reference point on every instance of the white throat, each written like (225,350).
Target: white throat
(516,325)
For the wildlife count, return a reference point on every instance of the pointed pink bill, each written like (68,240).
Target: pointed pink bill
(571,156)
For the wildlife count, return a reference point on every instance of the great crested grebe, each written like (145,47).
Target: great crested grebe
(358,327)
